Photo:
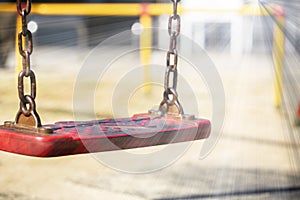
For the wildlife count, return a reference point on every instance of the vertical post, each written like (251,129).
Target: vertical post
(146,46)
(278,53)
(18,63)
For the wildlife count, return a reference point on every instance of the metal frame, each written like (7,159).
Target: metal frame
(147,10)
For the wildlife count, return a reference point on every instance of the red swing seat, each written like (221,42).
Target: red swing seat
(70,138)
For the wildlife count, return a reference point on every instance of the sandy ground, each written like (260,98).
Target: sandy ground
(253,159)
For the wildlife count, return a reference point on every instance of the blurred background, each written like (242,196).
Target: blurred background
(253,45)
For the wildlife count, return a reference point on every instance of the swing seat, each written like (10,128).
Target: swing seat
(71,138)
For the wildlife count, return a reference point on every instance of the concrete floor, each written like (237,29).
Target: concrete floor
(253,159)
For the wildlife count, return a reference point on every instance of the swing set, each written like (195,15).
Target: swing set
(169,124)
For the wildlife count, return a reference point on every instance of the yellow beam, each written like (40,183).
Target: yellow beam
(146,49)
(7,7)
(123,9)
(278,58)
(17,54)
(255,10)
(161,9)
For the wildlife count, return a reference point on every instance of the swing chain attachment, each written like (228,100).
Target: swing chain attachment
(170,104)
(27,117)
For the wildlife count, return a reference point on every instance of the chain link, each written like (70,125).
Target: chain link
(170,96)
(174,25)
(21,77)
(27,101)
(27,7)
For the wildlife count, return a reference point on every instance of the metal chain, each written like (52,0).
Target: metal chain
(170,96)
(27,119)
(27,101)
